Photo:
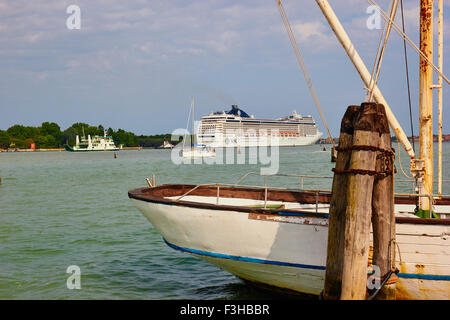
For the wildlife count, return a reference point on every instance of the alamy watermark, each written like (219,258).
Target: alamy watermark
(74,20)
(373,281)
(374,19)
(234,146)
(74,280)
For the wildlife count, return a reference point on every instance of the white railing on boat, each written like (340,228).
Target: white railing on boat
(432,197)
(218,185)
(301,176)
(413,182)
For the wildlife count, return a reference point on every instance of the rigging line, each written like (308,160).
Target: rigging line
(405,37)
(361,68)
(369,87)
(193,121)
(187,126)
(383,48)
(303,66)
(407,77)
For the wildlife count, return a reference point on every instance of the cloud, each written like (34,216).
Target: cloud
(316,34)
(127,49)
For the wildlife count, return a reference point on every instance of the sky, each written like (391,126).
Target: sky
(136,64)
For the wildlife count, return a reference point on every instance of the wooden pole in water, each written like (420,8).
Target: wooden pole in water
(383,218)
(354,188)
(359,202)
(333,153)
(333,274)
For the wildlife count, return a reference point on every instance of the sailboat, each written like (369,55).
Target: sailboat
(278,237)
(196,150)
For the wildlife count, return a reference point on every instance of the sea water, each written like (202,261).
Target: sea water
(61,210)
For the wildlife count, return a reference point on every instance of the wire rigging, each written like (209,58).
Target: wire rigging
(303,66)
(404,36)
(407,76)
(386,32)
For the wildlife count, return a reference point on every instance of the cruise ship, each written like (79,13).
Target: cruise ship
(235,128)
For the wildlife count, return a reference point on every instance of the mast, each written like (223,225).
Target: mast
(440,83)
(426,103)
(187,124)
(192,136)
(363,72)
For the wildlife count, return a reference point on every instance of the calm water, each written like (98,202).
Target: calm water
(59,209)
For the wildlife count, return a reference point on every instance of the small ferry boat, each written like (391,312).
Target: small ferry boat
(96,143)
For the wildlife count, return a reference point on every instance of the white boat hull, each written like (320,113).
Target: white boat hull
(195,154)
(289,252)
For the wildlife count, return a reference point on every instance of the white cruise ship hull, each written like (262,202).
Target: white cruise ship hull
(242,142)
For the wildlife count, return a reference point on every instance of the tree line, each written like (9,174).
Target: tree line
(49,135)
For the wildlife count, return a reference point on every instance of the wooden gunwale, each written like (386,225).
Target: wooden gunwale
(160,193)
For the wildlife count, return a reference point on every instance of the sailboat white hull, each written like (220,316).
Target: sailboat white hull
(198,153)
(289,252)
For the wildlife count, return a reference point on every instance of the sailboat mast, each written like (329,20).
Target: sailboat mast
(192,136)
(426,102)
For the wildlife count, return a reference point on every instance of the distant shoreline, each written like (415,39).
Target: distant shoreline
(142,148)
(62,149)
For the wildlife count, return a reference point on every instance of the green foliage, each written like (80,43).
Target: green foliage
(49,135)
(127,139)
(50,128)
(19,143)
(68,136)
(41,142)
(4,139)
(154,141)
(21,132)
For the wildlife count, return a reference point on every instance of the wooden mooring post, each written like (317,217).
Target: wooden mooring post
(383,217)
(333,154)
(362,193)
(336,222)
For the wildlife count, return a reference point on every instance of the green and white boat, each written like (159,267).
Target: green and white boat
(96,143)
